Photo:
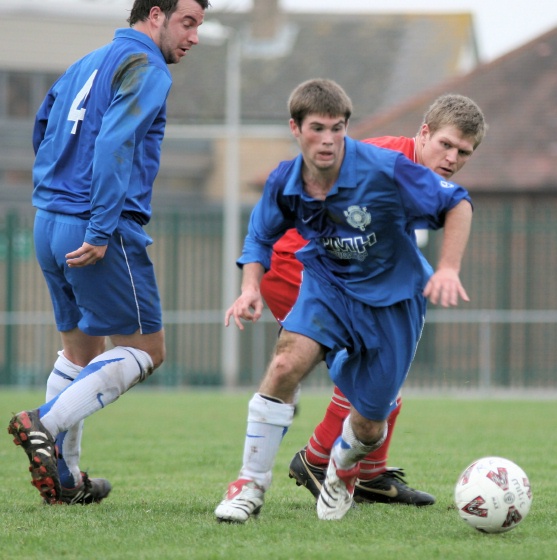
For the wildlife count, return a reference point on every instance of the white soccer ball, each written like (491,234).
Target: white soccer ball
(493,495)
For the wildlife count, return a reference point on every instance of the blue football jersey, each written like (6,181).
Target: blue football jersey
(98,135)
(361,237)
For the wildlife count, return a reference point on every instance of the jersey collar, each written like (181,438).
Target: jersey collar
(346,177)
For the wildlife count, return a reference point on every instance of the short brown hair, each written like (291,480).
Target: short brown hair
(141,8)
(459,111)
(320,96)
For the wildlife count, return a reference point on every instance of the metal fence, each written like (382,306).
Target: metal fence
(505,338)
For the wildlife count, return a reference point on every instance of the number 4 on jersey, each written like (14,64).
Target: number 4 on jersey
(77,111)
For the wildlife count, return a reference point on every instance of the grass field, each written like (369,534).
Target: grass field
(169,457)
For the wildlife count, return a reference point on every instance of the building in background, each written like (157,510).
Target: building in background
(381,60)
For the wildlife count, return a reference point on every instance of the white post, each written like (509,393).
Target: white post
(484,344)
(213,32)
(232,209)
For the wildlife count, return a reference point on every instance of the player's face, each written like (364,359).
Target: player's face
(321,140)
(178,34)
(444,151)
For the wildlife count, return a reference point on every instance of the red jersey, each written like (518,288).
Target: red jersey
(281,283)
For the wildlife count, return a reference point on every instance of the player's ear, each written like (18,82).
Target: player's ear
(294,128)
(156,16)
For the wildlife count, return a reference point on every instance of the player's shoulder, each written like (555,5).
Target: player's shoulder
(138,49)
(375,153)
(90,60)
(282,172)
(401,144)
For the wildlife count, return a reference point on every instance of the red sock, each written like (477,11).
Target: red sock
(319,447)
(375,463)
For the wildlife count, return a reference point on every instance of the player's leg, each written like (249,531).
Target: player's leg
(301,346)
(402,323)
(41,450)
(359,437)
(120,300)
(375,463)
(327,431)
(378,483)
(270,414)
(61,377)
(370,376)
(103,380)
(119,297)
(99,384)
(76,486)
(309,465)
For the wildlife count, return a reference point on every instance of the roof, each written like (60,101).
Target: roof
(378,59)
(516,92)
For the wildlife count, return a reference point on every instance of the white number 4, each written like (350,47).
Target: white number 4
(77,113)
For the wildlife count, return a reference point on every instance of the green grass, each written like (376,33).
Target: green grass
(169,457)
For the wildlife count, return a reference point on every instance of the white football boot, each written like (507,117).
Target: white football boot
(337,493)
(243,499)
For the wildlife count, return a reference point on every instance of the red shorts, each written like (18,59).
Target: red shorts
(281,284)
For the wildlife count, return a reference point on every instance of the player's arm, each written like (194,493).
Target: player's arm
(249,305)
(41,120)
(123,126)
(267,224)
(444,286)
(86,255)
(431,202)
(135,106)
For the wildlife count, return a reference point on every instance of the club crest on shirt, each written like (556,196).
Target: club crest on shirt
(358,217)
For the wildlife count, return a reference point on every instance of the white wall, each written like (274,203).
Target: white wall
(51,42)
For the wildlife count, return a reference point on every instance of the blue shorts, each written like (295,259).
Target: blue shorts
(370,349)
(117,295)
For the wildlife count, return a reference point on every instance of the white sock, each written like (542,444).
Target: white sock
(99,384)
(62,375)
(69,443)
(348,449)
(268,421)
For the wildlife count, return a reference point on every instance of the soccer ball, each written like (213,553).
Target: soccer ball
(493,495)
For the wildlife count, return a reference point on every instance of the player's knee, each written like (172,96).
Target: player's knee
(158,356)
(369,432)
(285,371)
(153,345)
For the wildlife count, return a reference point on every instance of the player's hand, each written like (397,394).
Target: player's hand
(85,255)
(249,307)
(444,288)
